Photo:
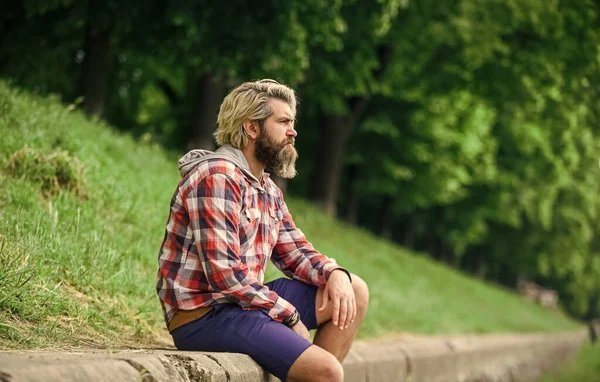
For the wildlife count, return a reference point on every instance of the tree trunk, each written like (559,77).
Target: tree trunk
(169,92)
(403,227)
(593,311)
(446,254)
(385,227)
(351,199)
(209,92)
(474,261)
(335,131)
(94,72)
(432,246)
(481,270)
(17,17)
(408,234)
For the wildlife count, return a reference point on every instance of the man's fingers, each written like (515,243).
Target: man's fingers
(343,313)
(335,316)
(350,313)
(325,300)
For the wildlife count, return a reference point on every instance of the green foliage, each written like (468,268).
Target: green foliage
(485,140)
(348,70)
(244,45)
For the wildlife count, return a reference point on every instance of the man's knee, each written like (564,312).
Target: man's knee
(361,293)
(316,364)
(332,370)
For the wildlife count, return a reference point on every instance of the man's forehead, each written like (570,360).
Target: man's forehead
(281,108)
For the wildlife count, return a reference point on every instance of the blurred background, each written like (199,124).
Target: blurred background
(465,129)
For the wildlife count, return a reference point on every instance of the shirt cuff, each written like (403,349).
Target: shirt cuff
(282,310)
(340,269)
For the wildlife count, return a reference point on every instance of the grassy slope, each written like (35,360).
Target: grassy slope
(79,270)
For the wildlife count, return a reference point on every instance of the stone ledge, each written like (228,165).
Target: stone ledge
(460,358)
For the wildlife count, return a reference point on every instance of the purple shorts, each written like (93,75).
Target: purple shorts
(229,328)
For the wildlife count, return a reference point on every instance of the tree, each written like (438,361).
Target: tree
(342,80)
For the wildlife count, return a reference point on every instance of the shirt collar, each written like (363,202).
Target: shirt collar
(237,157)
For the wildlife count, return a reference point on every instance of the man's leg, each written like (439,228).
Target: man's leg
(322,361)
(314,364)
(330,337)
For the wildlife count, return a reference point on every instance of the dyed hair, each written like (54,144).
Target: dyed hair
(249,101)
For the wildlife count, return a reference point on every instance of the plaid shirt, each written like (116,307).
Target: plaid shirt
(223,227)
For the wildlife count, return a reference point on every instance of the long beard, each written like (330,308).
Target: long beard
(278,157)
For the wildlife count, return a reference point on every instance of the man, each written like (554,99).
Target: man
(227,219)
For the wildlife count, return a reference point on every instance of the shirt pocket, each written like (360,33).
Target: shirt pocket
(249,224)
(251,214)
(275,221)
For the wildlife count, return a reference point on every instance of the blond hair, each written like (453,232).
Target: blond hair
(249,101)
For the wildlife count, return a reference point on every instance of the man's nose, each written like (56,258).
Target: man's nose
(292,132)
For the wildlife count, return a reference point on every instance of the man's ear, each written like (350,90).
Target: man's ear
(251,128)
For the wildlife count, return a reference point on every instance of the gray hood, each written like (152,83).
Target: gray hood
(193,158)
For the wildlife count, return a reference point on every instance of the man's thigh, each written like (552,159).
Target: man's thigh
(301,295)
(229,328)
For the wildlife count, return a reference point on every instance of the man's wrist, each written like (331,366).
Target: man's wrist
(343,270)
(292,320)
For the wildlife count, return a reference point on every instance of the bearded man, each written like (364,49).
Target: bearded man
(227,219)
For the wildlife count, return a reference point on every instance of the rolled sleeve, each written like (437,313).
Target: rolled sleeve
(296,257)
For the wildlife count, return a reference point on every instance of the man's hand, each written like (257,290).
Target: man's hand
(339,290)
(301,329)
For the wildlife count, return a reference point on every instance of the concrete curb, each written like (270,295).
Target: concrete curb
(464,358)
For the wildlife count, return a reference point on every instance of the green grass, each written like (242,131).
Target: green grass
(585,367)
(81,228)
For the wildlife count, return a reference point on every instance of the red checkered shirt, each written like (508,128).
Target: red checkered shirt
(223,227)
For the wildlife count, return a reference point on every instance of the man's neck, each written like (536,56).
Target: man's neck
(256,167)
